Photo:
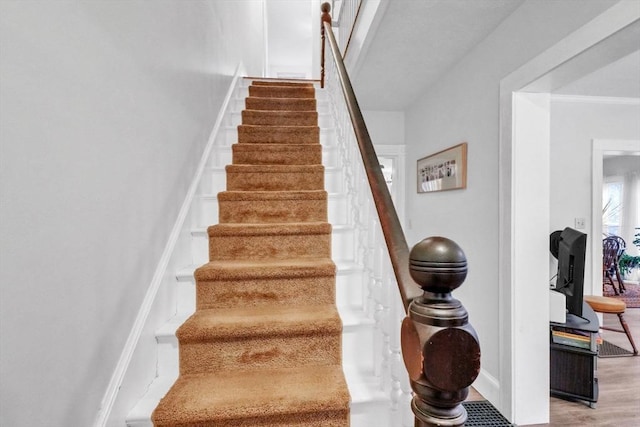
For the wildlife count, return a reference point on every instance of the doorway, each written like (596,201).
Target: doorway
(524,214)
(602,147)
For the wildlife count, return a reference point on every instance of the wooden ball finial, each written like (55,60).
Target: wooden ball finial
(438,264)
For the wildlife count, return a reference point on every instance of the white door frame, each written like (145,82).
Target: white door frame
(398,154)
(523,391)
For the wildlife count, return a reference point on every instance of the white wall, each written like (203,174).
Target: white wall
(464,106)
(105,109)
(292,57)
(575,123)
(385,127)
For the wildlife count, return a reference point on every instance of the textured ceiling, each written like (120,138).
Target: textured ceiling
(421,40)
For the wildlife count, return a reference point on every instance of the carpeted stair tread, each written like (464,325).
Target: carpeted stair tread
(266,291)
(249,322)
(273,168)
(277,91)
(315,397)
(301,228)
(255,196)
(278,118)
(289,104)
(279,154)
(223,284)
(260,336)
(261,134)
(269,241)
(272,206)
(274,177)
(281,83)
(265,269)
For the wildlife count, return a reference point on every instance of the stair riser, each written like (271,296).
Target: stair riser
(334,181)
(328,138)
(255,353)
(214,180)
(278,134)
(207,209)
(355,343)
(316,419)
(330,157)
(374,413)
(307,154)
(281,91)
(277,155)
(338,211)
(277,181)
(275,211)
(168,356)
(268,82)
(323,120)
(279,118)
(265,292)
(351,287)
(186,297)
(271,246)
(284,104)
(322,105)
(341,243)
(227,137)
(220,157)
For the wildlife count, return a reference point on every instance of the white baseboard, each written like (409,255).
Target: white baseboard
(488,386)
(122,366)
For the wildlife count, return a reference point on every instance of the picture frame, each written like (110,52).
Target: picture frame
(444,170)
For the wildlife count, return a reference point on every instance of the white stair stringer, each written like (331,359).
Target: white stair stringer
(211,180)
(370,402)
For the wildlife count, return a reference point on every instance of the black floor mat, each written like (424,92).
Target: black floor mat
(483,414)
(606,349)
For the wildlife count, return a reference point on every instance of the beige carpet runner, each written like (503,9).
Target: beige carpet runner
(264,345)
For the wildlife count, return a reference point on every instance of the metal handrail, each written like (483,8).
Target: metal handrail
(391,227)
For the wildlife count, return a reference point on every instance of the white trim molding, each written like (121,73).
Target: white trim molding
(583,99)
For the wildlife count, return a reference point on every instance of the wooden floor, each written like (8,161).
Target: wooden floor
(619,381)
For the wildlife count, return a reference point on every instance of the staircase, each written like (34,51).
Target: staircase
(267,345)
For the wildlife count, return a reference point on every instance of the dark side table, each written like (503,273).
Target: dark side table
(573,369)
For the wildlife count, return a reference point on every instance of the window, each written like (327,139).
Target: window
(612,197)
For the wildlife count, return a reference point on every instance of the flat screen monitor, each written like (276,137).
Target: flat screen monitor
(569,246)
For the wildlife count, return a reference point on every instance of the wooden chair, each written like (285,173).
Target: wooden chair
(610,257)
(614,306)
(622,246)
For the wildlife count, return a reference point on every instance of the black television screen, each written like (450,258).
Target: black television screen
(569,246)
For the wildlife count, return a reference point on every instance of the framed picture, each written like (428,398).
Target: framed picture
(444,170)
